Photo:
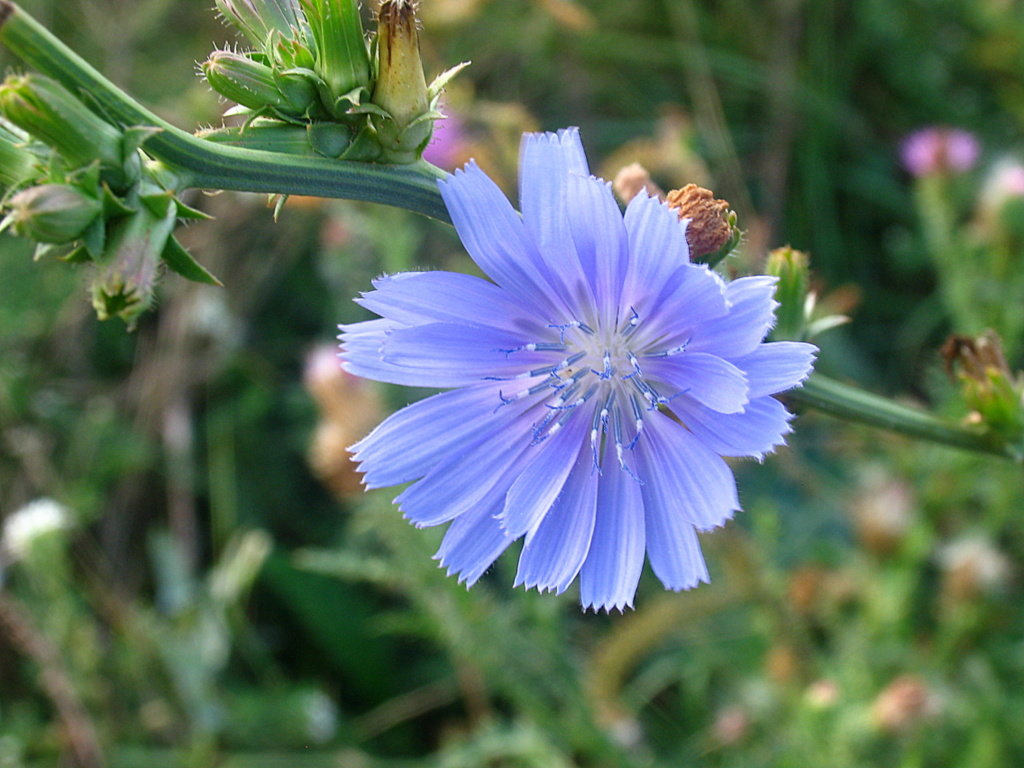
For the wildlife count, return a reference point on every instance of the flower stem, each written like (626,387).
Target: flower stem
(199,163)
(853,404)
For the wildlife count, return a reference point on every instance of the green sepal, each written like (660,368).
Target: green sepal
(369,108)
(329,139)
(94,238)
(349,103)
(438,83)
(135,137)
(79,255)
(157,203)
(365,147)
(188,212)
(113,206)
(182,262)
(87,178)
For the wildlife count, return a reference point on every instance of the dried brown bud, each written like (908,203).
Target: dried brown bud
(782,664)
(348,408)
(631,179)
(709,228)
(974,355)
(731,726)
(904,703)
(883,513)
(972,567)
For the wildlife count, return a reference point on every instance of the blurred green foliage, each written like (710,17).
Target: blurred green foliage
(213,603)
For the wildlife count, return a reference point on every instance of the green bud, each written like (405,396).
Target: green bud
(342,61)
(791,267)
(46,110)
(126,279)
(16,162)
(52,213)
(243,80)
(257,19)
(401,90)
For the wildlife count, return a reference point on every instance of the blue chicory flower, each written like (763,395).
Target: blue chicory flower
(594,385)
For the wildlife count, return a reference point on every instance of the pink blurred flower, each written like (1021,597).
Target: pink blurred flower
(447,146)
(939,149)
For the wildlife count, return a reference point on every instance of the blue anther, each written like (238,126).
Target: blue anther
(609,369)
(638,420)
(634,321)
(674,351)
(572,359)
(563,327)
(539,346)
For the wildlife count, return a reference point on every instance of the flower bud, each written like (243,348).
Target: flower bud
(790,266)
(16,163)
(341,57)
(52,213)
(256,19)
(401,89)
(125,281)
(250,83)
(46,110)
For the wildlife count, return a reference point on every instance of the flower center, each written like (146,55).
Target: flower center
(598,375)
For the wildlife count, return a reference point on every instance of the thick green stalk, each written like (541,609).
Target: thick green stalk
(199,163)
(852,404)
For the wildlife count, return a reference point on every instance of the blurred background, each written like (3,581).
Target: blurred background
(191,575)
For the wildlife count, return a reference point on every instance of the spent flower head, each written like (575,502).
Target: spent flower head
(595,384)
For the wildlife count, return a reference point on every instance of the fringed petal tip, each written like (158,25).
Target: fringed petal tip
(617,605)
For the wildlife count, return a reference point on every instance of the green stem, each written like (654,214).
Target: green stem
(853,404)
(203,164)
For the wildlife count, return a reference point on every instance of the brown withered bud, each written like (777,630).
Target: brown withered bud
(348,408)
(731,726)
(709,228)
(630,180)
(973,356)
(905,702)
